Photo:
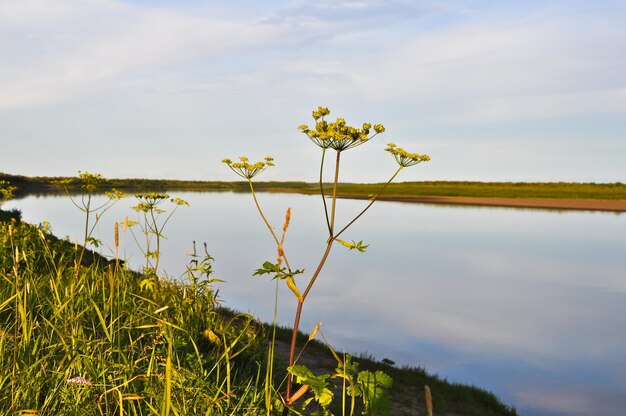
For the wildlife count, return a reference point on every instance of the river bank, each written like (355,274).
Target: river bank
(536,203)
(540,195)
(99,304)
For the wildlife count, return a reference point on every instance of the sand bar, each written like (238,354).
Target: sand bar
(555,204)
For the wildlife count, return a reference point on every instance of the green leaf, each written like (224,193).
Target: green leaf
(318,384)
(348,367)
(353,245)
(93,241)
(374,396)
(267,268)
(348,370)
(279,272)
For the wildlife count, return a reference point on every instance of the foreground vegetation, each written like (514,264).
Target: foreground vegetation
(82,334)
(94,338)
(552,190)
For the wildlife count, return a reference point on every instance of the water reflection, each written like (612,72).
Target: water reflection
(528,304)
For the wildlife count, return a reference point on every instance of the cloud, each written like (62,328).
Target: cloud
(363,13)
(547,105)
(123,42)
(493,71)
(456,77)
(572,400)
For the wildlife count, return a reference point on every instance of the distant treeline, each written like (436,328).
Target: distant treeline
(27,185)
(557,190)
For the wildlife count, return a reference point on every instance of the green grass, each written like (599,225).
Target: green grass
(552,190)
(91,339)
(150,349)
(46,185)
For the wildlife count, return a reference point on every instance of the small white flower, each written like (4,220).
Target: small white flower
(79,380)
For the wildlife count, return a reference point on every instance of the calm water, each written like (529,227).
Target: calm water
(528,304)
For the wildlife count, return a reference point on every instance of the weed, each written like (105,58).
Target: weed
(340,137)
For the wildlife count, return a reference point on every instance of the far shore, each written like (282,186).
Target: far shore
(609,197)
(538,203)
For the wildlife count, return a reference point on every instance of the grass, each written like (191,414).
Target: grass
(87,338)
(552,190)
(407,394)
(93,338)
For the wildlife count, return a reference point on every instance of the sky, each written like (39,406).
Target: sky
(501,90)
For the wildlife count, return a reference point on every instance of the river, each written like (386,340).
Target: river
(529,304)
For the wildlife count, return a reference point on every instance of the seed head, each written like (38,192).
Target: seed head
(429,400)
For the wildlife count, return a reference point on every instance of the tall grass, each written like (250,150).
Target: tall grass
(91,338)
(95,342)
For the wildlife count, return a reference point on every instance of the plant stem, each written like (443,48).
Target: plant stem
(370,204)
(269,374)
(322,192)
(334,202)
(157,233)
(269,227)
(87,209)
(329,245)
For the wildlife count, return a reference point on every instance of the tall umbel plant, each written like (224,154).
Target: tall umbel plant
(334,137)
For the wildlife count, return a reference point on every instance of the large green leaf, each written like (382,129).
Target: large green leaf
(319,385)
(374,396)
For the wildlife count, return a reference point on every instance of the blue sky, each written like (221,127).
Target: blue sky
(492,90)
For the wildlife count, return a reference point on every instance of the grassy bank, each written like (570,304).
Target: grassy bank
(46,184)
(548,190)
(551,190)
(81,334)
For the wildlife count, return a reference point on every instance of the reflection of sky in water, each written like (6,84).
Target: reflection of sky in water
(528,304)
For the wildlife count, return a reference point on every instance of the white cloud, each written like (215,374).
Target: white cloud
(124,42)
(547,105)
(435,74)
(553,66)
(570,399)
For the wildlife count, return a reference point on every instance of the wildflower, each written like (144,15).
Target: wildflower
(249,170)
(338,135)
(90,182)
(149,202)
(320,112)
(404,158)
(115,194)
(79,380)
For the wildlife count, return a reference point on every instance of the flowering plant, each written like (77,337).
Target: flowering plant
(338,136)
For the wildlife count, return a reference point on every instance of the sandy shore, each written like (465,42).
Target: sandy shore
(554,204)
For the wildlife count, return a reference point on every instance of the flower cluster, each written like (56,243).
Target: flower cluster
(79,380)
(149,202)
(248,170)
(338,135)
(405,158)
